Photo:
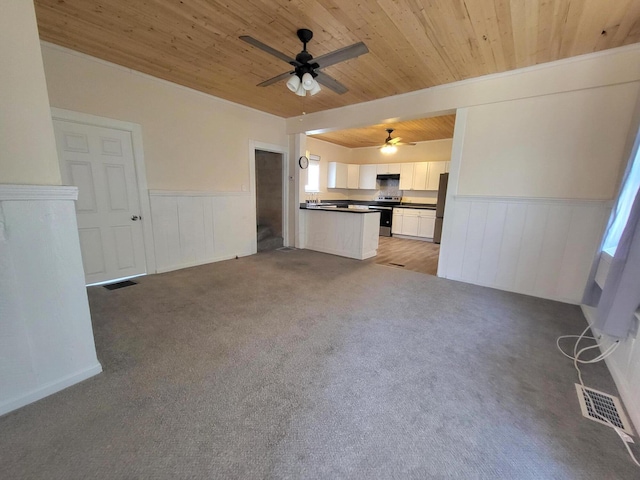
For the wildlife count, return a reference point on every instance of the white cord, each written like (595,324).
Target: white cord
(576,361)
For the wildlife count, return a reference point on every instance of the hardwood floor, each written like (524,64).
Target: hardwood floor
(414,255)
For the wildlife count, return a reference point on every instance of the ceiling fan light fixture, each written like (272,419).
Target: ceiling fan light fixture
(301,90)
(308,81)
(293,83)
(388,149)
(316,88)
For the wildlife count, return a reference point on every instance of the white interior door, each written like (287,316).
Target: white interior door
(99,161)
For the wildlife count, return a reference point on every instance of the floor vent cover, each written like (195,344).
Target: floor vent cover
(285,249)
(605,405)
(397,264)
(115,286)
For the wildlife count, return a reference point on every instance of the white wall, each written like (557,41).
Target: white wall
(27,144)
(196,147)
(567,145)
(192,141)
(624,365)
(328,152)
(46,339)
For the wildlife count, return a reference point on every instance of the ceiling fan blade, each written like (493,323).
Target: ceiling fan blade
(401,144)
(331,83)
(273,80)
(268,49)
(394,141)
(346,53)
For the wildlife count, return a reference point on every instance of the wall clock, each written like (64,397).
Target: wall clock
(303,162)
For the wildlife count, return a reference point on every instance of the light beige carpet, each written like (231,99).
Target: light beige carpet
(303,365)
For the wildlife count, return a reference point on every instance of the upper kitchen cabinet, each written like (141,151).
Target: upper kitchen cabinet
(433,177)
(406,176)
(368,177)
(388,168)
(353,176)
(420,173)
(338,175)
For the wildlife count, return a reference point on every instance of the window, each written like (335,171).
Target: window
(620,215)
(313,175)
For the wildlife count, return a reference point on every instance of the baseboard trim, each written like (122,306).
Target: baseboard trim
(49,389)
(173,268)
(571,301)
(411,237)
(632,407)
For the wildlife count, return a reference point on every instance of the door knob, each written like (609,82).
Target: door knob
(134,217)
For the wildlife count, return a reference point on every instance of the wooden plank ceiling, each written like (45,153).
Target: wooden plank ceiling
(413,44)
(421,130)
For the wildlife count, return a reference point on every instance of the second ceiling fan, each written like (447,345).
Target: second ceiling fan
(391,144)
(306,74)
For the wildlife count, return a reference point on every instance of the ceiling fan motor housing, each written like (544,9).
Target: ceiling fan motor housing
(304,57)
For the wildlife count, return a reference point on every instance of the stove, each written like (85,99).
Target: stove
(392,199)
(384,205)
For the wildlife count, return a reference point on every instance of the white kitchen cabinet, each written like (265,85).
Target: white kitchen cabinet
(420,172)
(394,168)
(388,168)
(414,222)
(406,176)
(337,175)
(426,223)
(368,177)
(433,176)
(396,221)
(353,176)
(409,222)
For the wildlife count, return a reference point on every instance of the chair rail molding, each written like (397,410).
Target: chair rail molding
(37,192)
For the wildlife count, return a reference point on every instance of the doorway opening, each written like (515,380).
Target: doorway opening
(269,200)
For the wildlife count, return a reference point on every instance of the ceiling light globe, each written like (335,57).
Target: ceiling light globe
(301,91)
(316,88)
(389,149)
(293,83)
(307,81)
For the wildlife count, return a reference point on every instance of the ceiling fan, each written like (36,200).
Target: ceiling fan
(390,144)
(306,74)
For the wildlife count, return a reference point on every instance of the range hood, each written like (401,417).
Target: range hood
(388,176)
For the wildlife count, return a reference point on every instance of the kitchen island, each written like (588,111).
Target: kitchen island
(347,232)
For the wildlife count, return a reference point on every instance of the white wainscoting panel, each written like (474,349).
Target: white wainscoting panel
(353,235)
(193,228)
(46,337)
(539,247)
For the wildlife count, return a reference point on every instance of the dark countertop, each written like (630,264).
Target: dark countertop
(343,205)
(337,209)
(425,206)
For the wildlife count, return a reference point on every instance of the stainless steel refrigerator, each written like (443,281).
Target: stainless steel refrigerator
(442,196)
